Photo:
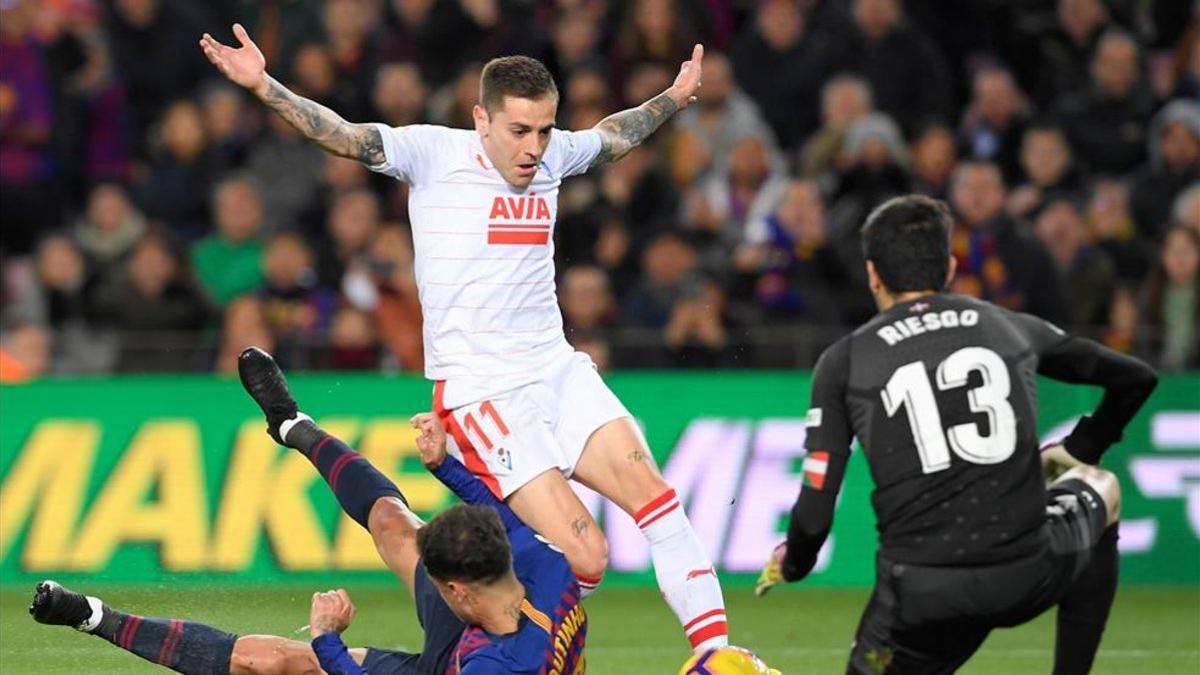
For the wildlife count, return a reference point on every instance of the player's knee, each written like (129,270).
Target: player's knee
(591,559)
(269,655)
(390,518)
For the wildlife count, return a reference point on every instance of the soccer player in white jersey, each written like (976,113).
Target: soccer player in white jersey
(525,410)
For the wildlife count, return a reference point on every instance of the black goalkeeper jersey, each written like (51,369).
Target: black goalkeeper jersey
(941,393)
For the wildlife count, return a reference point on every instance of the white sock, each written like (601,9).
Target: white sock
(93,621)
(287,425)
(587,585)
(685,575)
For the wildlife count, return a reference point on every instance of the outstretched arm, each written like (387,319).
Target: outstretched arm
(246,66)
(623,131)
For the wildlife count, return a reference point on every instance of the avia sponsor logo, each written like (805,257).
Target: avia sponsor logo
(523,221)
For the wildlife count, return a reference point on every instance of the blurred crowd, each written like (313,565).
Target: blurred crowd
(157,218)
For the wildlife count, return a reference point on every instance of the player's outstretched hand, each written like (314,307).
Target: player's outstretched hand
(684,90)
(245,66)
(432,441)
(331,612)
(772,573)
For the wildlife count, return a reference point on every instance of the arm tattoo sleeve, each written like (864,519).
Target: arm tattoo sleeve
(355,141)
(623,131)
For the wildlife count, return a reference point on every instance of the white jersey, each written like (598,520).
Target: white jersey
(484,255)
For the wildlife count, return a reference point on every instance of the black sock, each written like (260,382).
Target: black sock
(355,483)
(1083,612)
(183,646)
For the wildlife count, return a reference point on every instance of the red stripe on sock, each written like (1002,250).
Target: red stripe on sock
(590,581)
(654,504)
(337,467)
(650,521)
(169,642)
(706,615)
(316,451)
(708,632)
(130,632)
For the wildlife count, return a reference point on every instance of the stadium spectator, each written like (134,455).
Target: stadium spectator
(876,161)
(399,94)
(1111,227)
(994,121)
(669,273)
(228,125)
(1048,169)
(182,170)
(288,171)
(696,334)
(228,263)
(297,307)
(845,99)
(933,158)
(735,200)
(794,269)
(27,124)
(1121,333)
(652,32)
(382,284)
(996,260)
(1064,52)
(63,300)
(24,353)
(245,326)
(147,41)
(1172,302)
(153,305)
(108,230)
(908,76)
(1106,122)
(589,311)
(352,342)
(354,218)
(1174,150)
(576,36)
(281,27)
(587,99)
(1186,210)
(1087,274)
(725,114)
(774,63)
(354,53)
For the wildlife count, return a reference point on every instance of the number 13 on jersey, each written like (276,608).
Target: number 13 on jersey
(910,388)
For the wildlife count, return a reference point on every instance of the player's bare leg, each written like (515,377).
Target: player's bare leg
(1083,611)
(549,505)
(617,463)
(365,494)
(272,655)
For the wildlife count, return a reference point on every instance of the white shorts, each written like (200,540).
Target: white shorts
(509,439)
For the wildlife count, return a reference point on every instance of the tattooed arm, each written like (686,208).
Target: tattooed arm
(623,131)
(355,141)
(247,67)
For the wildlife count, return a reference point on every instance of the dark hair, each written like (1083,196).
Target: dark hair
(518,76)
(465,543)
(908,240)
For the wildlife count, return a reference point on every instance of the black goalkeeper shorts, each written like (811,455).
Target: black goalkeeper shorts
(930,620)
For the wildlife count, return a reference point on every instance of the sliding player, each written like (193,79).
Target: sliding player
(940,390)
(525,411)
(491,597)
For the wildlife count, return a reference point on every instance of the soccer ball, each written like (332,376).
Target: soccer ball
(725,661)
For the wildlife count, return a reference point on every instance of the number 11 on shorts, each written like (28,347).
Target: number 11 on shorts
(472,426)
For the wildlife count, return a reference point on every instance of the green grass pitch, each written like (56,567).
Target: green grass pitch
(799,630)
